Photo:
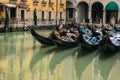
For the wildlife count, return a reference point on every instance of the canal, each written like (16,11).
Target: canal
(23,58)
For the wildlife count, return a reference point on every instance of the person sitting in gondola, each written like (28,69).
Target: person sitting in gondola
(61,30)
(71,36)
(72,30)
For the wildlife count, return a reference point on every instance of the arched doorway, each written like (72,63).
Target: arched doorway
(111,11)
(82,12)
(70,11)
(97,12)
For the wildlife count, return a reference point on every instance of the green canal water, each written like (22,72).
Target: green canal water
(23,58)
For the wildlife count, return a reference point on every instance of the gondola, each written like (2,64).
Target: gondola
(87,44)
(43,40)
(112,43)
(64,43)
(91,42)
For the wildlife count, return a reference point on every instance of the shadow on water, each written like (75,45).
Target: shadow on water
(106,62)
(60,55)
(83,59)
(34,44)
(43,51)
(106,55)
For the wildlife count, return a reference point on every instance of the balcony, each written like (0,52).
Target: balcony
(44,19)
(61,4)
(13,1)
(50,3)
(23,0)
(44,3)
(61,19)
(70,0)
(51,20)
(35,2)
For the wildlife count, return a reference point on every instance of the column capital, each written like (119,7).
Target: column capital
(89,9)
(119,10)
(104,10)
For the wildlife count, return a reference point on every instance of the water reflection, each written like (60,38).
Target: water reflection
(60,55)
(43,51)
(106,62)
(23,58)
(12,55)
(84,58)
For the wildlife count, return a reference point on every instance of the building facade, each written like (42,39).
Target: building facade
(49,12)
(94,11)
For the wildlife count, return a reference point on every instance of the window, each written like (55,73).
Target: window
(35,1)
(44,2)
(1,8)
(43,14)
(22,15)
(23,0)
(50,14)
(60,1)
(61,15)
(70,12)
(50,1)
(13,13)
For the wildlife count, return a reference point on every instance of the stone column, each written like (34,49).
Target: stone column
(75,11)
(104,16)
(18,16)
(89,15)
(76,15)
(119,16)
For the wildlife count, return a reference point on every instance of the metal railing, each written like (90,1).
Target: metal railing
(61,4)
(35,1)
(23,0)
(13,0)
(44,2)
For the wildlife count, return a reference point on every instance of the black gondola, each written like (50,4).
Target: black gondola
(43,40)
(86,44)
(64,43)
(112,43)
(90,42)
